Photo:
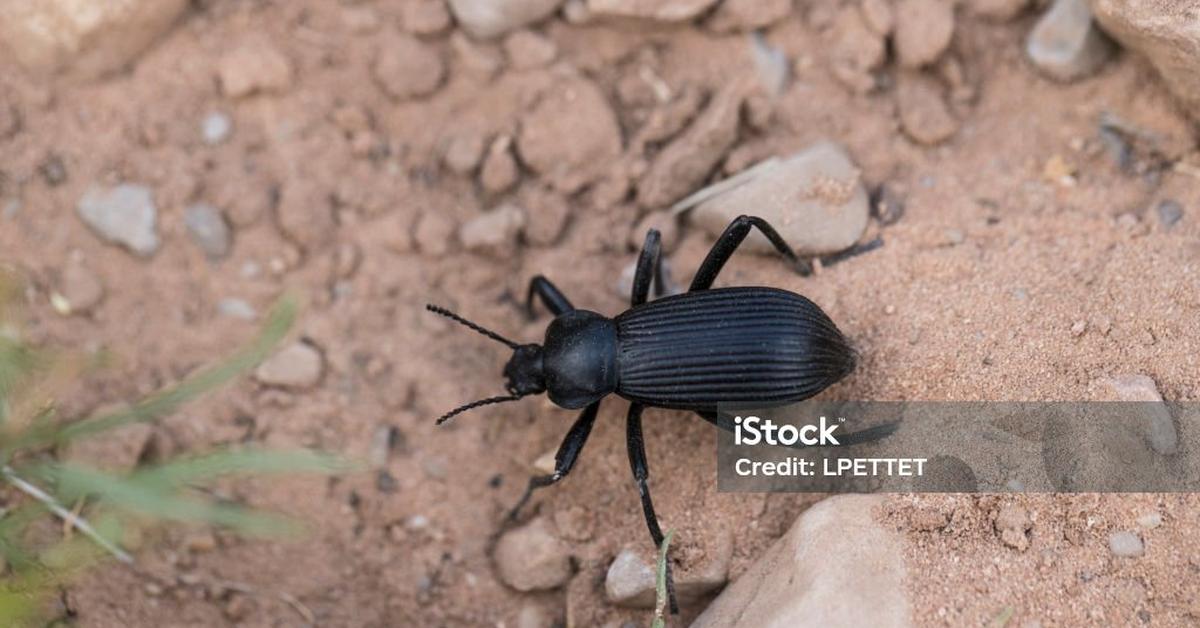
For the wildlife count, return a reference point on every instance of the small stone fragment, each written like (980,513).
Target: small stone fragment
(124,215)
(463,153)
(528,50)
(297,366)
(483,60)
(924,29)
(489,18)
(575,109)
(531,558)
(1169,212)
(254,67)
(208,229)
(53,170)
(924,115)
(662,10)
(1126,544)
(405,67)
(236,308)
(690,158)
(547,215)
(433,232)
(857,50)
(1012,522)
(494,231)
(1066,43)
(1150,520)
(216,128)
(500,171)
(814,198)
(631,577)
(80,289)
(426,17)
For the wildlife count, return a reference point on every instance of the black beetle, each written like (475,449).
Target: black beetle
(751,346)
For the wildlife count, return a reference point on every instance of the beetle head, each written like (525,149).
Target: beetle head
(523,371)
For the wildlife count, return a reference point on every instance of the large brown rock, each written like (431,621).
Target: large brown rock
(84,38)
(837,566)
(1167,32)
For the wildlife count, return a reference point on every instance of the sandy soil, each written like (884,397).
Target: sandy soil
(978,294)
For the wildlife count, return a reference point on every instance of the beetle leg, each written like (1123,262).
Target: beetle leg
(641,472)
(564,460)
(731,239)
(551,296)
(649,268)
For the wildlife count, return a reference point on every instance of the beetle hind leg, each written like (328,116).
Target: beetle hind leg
(649,270)
(564,460)
(550,295)
(641,473)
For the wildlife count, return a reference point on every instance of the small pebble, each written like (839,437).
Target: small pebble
(53,170)
(528,50)
(426,17)
(1066,43)
(216,128)
(1169,213)
(463,153)
(1126,544)
(924,29)
(1078,327)
(494,231)
(124,214)
(254,67)
(531,558)
(208,229)
(79,289)
(236,308)
(298,366)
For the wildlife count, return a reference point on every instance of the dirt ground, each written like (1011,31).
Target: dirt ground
(1026,266)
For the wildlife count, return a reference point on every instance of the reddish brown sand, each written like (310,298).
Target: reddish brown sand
(973,297)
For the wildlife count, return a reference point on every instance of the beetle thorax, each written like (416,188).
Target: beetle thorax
(580,358)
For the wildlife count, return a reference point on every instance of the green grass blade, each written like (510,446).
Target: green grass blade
(179,473)
(126,494)
(163,403)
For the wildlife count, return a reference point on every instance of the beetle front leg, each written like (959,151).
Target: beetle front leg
(551,297)
(564,460)
(641,473)
(649,269)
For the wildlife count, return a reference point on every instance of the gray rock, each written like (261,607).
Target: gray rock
(489,18)
(814,198)
(662,10)
(1167,32)
(1126,544)
(837,566)
(124,215)
(630,580)
(299,365)
(208,229)
(1169,212)
(1066,44)
(1150,520)
(531,558)
(216,128)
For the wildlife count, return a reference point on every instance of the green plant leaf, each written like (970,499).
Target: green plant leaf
(660,583)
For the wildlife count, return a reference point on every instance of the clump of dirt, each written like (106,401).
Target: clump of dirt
(1029,262)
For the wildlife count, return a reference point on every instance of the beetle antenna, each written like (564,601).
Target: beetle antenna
(479,328)
(476,404)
